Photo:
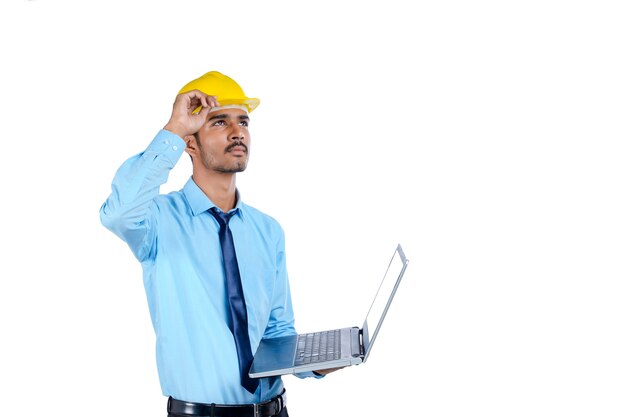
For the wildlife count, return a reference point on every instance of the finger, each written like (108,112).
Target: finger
(195,96)
(204,100)
(195,93)
(213,101)
(204,113)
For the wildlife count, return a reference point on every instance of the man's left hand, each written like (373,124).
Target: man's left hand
(327,371)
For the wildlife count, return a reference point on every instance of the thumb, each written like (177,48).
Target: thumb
(204,114)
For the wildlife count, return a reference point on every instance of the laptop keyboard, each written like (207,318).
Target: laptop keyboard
(317,347)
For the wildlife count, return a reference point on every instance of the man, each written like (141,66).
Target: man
(214,268)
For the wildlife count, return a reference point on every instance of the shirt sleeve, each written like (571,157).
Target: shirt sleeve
(129,210)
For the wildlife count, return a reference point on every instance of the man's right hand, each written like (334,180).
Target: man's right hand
(183,121)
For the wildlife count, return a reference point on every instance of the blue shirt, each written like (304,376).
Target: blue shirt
(176,240)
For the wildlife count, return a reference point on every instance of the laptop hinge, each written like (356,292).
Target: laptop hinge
(361,344)
(356,346)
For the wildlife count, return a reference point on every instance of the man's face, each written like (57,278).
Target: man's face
(224,141)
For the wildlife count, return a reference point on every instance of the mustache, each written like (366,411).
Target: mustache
(236,143)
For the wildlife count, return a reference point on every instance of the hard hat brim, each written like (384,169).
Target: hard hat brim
(250,103)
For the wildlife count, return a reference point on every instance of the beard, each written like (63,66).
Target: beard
(237,167)
(211,162)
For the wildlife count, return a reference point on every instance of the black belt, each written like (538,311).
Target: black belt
(266,409)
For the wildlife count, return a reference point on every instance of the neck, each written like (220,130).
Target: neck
(219,187)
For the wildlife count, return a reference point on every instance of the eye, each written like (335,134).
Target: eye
(244,123)
(219,123)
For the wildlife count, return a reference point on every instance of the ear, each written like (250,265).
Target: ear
(192,146)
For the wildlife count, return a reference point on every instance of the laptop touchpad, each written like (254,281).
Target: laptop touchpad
(275,353)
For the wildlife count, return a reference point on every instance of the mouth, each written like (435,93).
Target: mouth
(237,148)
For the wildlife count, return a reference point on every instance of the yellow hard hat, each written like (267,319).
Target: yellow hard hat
(227,91)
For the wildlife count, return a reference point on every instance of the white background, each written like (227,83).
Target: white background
(486,137)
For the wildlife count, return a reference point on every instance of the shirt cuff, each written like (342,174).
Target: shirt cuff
(309,374)
(167,144)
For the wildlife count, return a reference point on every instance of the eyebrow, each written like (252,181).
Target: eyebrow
(226,116)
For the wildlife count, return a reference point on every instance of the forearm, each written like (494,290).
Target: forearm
(135,186)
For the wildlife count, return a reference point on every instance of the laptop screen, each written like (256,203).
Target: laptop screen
(382,300)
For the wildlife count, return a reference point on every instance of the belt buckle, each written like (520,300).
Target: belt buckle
(255,407)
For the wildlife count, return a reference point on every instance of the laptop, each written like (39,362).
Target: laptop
(331,348)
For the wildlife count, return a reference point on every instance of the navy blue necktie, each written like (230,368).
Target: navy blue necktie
(239,316)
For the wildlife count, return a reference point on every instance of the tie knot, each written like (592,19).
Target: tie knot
(221,217)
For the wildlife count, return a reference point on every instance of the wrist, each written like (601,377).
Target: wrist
(175,129)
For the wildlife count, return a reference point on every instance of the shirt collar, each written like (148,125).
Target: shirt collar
(199,202)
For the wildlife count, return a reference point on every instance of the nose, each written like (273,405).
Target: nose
(237,133)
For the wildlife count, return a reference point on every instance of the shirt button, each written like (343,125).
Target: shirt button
(175,147)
